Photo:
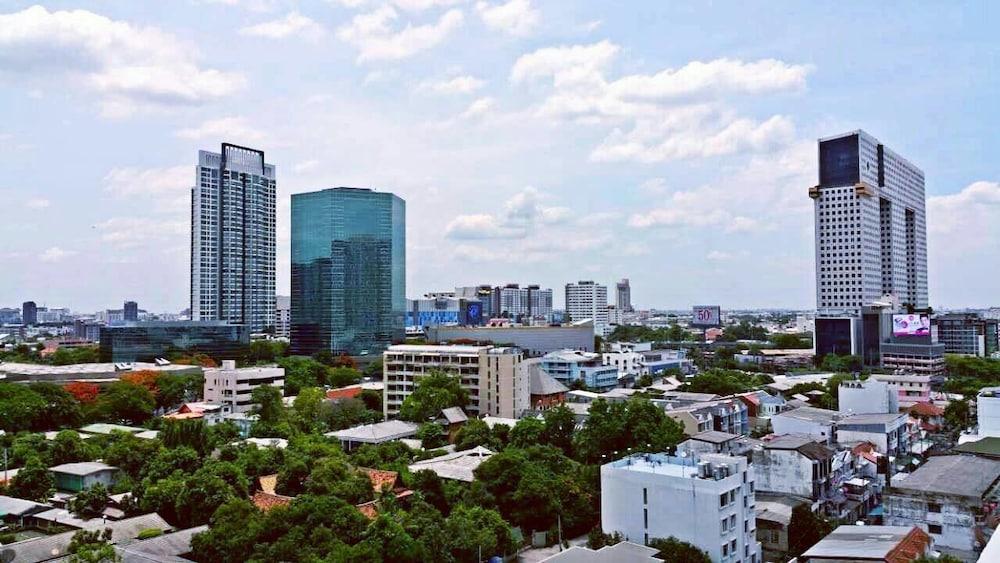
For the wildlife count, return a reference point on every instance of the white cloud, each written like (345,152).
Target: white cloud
(670,115)
(235,129)
(130,67)
(164,189)
(719,256)
(374,36)
(292,24)
(251,5)
(963,240)
(37,203)
(56,254)
(305,166)
(592,26)
(137,232)
(479,108)
(464,84)
(963,212)
(407,5)
(521,214)
(516,17)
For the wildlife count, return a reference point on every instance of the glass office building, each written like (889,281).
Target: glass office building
(348,271)
(146,341)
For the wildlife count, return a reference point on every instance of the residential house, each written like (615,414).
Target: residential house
(75,477)
(774,514)
(954,498)
(793,464)
(867,397)
(888,432)
(891,544)
(457,466)
(546,391)
(910,388)
(377,433)
(821,424)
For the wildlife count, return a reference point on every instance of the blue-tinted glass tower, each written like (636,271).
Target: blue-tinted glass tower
(348,271)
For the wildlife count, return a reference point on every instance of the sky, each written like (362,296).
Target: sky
(534,141)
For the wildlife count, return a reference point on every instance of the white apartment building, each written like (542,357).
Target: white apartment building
(870,396)
(233,238)
(283,316)
(588,300)
(707,501)
(496,378)
(871,233)
(232,386)
(988,412)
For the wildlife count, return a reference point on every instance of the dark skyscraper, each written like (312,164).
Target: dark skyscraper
(130,311)
(29,313)
(348,271)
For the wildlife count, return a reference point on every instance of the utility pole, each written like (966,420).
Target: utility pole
(559,521)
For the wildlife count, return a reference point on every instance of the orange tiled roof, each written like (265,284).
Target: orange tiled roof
(368,509)
(344,392)
(911,547)
(926,409)
(267,501)
(268,483)
(380,479)
(184,415)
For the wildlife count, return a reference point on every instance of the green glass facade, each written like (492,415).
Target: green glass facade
(348,271)
(146,341)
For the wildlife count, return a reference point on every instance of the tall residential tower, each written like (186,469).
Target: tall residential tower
(348,271)
(588,300)
(233,238)
(623,296)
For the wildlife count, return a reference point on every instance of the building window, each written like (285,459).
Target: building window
(934,528)
(645,518)
(933,507)
(645,496)
(723,499)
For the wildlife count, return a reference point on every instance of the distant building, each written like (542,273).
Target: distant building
(707,502)
(621,552)
(533,340)
(546,391)
(29,313)
(526,304)
(988,412)
(572,366)
(867,397)
(952,498)
(850,544)
(348,271)
(635,359)
(889,432)
(495,377)
(794,465)
(232,386)
(774,515)
(967,334)
(233,205)
(282,316)
(588,300)
(130,311)
(911,388)
(441,310)
(10,315)
(821,424)
(76,477)
(147,341)
(623,296)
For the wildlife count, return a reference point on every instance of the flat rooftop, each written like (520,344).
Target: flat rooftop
(811,414)
(958,475)
(861,542)
(437,348)
(16,369)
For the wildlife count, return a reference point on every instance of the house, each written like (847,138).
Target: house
(621,552)
(36,550)
(377,433)
(774,514)
(821,424)
(891,544)
(953,498)
(453,419)
(265,501)
(794,464)
(911,389)
(888,432)
(761,406)
(15,510)
(709,441)
(172,547)
(211,413)
(546,391)
(75,477)
(458,466)
(243,421)
(927,416)
(867,397)
(382,481)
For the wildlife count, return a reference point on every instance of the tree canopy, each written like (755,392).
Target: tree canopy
(435,391)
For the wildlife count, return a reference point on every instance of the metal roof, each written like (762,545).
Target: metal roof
(861,542)
(47,548)
(82,468)
(378,432)
(959,475)
(459,466)
(10,506)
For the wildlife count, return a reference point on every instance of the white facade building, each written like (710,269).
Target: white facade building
(820,424)
(232,386)
(988,412)
(706,501)
(871,233)
(283,316)
(868,397)
(233,238)
(496,378)
(588,300)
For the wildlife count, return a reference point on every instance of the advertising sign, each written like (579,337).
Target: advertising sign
(706,316)
(911,325)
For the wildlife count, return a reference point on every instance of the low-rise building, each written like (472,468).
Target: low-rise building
(911,388)
(546,391)
(889,433)
(496,378)
(75,477)
(890,544)
(146,341)
(457,466)
(867,397)
(621,552)
(967,334)
(953,498)
(774,514)
(821,424)
(535,341)
(374,434)
(794,465)
(233,386)
(573,366)
(706,501)
(988,412)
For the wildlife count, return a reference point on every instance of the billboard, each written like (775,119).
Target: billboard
(911,325)
(706,316)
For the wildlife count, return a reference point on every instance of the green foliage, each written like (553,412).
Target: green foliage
(191,433)
(673,333)
(743,331)
(431,435)
(841,364)
(790,342)
(346,413)
(79,355)
(126,402)
(89,502)
(527,432)
(673,550)
(389,455)
(92,546)
(560,423)
(613,430)
(69,447)
(725,382)
(21,408)
(343,376)
(596,538)
(471,529)
(435,391)
(130,454)
(474,433)
(149,533)
(302,372)
(957,415)
(265,351)
(33,482)
(61,408)
(306,409)
(644,380)
(7,537)
(805,529)
(173,389)
(269,408)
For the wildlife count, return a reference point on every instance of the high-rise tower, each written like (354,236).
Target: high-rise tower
(623,296)
(233,238)
(871,232)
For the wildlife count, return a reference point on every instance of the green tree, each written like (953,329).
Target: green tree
(474,530)
(92,546)
(69,447)
(560,423)
(431,435)
(429,484)
(89,502)
(672,550)
(192,433)
(268,405)
(957,415)
(302,372)
(805,529)
(387,540)
(61,410)
(435,391)
(343,376)
(233,532)
(613,430)
(21,408)
(346,413)
(644,380)
(33,482)
(126,402)
(306,408)
(527,432)
(474,433)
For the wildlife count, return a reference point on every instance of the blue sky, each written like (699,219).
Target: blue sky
(542,142)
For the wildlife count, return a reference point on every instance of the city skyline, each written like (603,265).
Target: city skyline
(670,161)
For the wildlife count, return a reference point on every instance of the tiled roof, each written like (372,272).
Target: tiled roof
(267,501)
(926,409)
(369,509)
(454,415)
(380,479)
(268,483)
(544,384)
(348,392)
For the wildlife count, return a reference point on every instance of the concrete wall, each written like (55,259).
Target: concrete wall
(535,341)
(789,425)
(988,411)
(868,397)
(955,518)
(783,471)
